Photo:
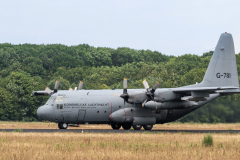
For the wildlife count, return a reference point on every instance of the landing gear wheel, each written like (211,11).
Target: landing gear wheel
(62,125)
(116,126)
(148,127)
(126,126)
(137,127)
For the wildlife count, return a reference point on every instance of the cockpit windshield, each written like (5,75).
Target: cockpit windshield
(61,98)
(51,99)
(58,98)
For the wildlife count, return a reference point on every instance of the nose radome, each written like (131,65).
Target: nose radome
(45,112)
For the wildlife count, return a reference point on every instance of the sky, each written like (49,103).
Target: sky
(172,27)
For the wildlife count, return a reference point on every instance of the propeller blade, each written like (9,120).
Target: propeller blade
(145,84)
(134,100)
(49,91)
(155,87)
(125,94)
(80,86)
(143,104)
(56,86)
(124,85)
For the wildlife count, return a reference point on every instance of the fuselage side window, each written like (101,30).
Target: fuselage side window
(59,106)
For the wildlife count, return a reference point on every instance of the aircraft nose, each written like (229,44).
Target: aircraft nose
(45,112)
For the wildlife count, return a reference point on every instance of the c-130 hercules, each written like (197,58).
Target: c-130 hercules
(139,108)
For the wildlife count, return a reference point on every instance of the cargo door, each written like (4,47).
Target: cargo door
(58,112)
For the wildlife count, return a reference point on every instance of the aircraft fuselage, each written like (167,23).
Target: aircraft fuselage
(104,107)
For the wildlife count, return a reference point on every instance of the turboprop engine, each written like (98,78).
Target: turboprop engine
(139,96)
(151,94)
(170,105)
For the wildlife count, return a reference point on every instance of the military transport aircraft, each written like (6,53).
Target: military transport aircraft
(139,108)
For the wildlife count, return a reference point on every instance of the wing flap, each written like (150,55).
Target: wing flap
(201,89)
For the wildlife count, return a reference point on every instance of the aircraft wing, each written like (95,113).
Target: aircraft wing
(200,93)
(186,90)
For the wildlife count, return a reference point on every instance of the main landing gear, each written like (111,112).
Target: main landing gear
(137,127)
(128,126)
(62,125)
(116,126)
(147,127)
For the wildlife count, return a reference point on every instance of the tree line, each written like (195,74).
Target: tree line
(28,67)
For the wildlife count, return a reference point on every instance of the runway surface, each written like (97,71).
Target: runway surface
(120,131)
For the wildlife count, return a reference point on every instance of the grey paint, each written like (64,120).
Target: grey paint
(107,107)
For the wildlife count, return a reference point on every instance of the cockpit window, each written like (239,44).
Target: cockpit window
(61,98)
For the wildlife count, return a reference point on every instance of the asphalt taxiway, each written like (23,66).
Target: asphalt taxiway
(118,131)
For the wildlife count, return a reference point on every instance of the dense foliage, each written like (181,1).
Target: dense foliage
(25,68)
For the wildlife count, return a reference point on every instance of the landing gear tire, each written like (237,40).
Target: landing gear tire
(137,127)
(116,126)
(62,125)
(147,127)
(126,126)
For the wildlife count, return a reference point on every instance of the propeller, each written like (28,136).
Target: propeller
(49,91)
(149,92)
(80,86)
(125,94)
(56,86)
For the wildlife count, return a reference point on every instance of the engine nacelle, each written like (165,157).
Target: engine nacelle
(170,105)
(165,95)
(136,97)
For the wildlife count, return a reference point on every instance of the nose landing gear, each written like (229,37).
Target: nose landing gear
(62,125)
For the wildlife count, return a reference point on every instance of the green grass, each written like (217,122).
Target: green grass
(207,140)
(17,130)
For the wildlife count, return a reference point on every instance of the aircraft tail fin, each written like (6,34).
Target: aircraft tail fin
(222,69)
